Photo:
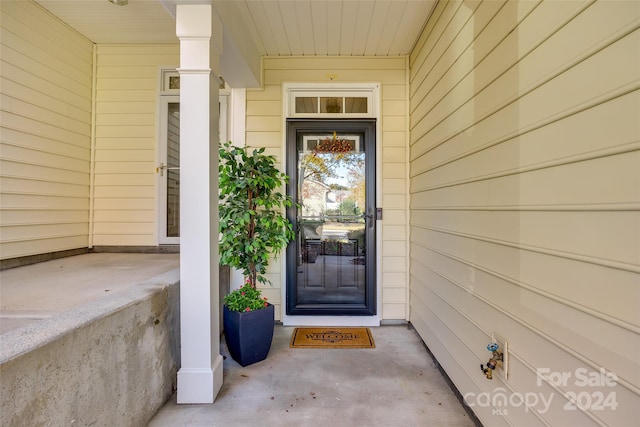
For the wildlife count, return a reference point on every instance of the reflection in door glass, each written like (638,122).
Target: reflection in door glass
(355,105)
(331,220)
(173,170)
(306,104)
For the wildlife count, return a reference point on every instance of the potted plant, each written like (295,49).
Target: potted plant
(248,324)
(253,228)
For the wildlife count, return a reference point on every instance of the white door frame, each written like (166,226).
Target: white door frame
(372,92)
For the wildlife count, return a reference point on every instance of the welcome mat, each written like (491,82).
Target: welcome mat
(332,338)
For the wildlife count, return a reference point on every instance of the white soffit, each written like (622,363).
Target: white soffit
(277,27)
(346,27)
(140,21)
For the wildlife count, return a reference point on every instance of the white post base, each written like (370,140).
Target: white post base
(200,385)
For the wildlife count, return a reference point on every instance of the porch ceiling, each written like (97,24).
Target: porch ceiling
(276,27)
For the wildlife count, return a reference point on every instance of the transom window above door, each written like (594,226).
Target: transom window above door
(331,105)
(331,101)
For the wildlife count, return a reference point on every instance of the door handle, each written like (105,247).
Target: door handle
(370,220)
(160,169)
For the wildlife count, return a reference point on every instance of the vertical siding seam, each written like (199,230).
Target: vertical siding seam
(407,207)
(92,168)
(262,73)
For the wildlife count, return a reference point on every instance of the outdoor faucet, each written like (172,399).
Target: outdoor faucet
(494,361)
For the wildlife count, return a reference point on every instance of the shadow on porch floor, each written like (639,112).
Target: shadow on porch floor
(395,384)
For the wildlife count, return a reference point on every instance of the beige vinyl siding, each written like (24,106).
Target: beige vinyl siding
(45,130)
(126,142)
(264,128)
(524,200)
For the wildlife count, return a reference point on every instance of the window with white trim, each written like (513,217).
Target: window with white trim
(331,102)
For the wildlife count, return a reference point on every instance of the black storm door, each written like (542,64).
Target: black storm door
(331,264)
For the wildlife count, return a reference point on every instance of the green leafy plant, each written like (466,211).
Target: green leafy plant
(252,223)
(247,298)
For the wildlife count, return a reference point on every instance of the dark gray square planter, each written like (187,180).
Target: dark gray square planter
(249,334)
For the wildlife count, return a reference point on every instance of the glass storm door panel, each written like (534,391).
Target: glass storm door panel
(330,265)
(169,171)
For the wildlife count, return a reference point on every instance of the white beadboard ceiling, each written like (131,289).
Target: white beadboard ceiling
(277,27)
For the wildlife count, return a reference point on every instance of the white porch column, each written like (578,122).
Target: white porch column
(200,34)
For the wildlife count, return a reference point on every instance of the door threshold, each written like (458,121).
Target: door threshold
(331,320)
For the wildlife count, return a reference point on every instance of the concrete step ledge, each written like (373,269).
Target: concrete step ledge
(112,361)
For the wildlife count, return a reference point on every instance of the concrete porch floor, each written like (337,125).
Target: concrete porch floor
(394,384)
(35,292)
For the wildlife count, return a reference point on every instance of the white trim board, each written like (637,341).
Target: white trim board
(330,320)
(373,92)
